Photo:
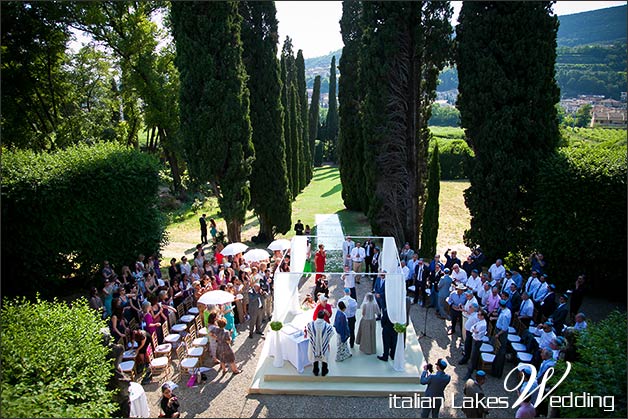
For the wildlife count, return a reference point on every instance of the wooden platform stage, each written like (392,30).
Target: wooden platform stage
(361,375)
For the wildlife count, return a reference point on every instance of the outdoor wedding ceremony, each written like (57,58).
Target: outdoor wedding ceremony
(314,209)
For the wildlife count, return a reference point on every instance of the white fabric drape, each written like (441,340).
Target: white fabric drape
(286,284)
(395,295)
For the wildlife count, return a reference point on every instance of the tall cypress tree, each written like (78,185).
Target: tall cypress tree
(507,97)
(350,141)
(314,114)
(285,103)
(270,196)
(429,231)
(404,46)
(306,162)
(296,143)
(332,113)
(214,104)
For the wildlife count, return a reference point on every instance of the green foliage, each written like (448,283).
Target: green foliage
(447,79)
(350,140)
(270,196)
(606,137)
(604,25)
(314,116)
(306,161)
(601,369)
(444,116)
(318,154)
(276,326)
(214,104)
(53,361)
(580,213)
(429,229)
(399,328)
(456,158)
(332,114)
(295,130)
(507,104)
(285,103)
(583,116)
(67,211)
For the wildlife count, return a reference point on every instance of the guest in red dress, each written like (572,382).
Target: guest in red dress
(324,307)
(319,261)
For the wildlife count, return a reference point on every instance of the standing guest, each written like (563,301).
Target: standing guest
(366,330)
(347,247)
(224,353)
(538,263)
(542,290)
(548,305)
(369,250)
(526,309)
(411,265)
(443,292)
(515,298)
(466,312)
(213,229)
(341,324)
(497,271)
(256,310)
(323,307)
(308,230)
(516,276)
(298,227)
(484,293)
(210,317)
(229,316)
(456,301)
(467,265)
(577,295)
(547,335)
(547,363)
(169,403)
(406,253)
(203,223)
(436,261)
(352,308)
(108,291)
(532,284)
(458,275)
(472,318)
(474,282)
(142,338)
(348,278)
(357,257)
(389,337)
(375,262)
(319,333)
(421,275)
(107,272)
(379,291)
(478,332)
(405,273)
(581,323)
(502,325)
(559,316)
(436,384)
(95,302)
(526,408)
(492,304)
(451,260)
(435,275)
(157,267)
(321,288)
(319,261)
(473,389)
(478,259)
(117,323)
(507,282)
(185,266)
(173,270)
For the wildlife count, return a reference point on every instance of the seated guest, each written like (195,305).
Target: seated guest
(308,303)
(548,362)
(581,323)
(169,403)
(547,334)
(95,302)
(515,298)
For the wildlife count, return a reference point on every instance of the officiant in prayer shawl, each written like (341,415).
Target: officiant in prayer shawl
(319,333)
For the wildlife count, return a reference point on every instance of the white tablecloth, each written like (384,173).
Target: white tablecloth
(294,347)
(139,404)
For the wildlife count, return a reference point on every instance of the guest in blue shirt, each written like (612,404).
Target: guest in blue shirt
(456,300)
(502,325)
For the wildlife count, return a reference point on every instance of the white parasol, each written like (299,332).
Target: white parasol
(280,244)
(255,255)
(216,297)
(234,249)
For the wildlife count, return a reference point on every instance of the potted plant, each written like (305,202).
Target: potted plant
(278,361)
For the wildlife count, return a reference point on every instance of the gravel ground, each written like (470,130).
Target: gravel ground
(225,395)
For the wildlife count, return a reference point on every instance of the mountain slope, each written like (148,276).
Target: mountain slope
(603,26)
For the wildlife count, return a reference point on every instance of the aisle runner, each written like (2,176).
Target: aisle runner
(329,231)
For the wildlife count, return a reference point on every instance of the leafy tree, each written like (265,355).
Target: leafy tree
(332,114)
(583,116)
(270,196)
(53,361)
(350,141)
(306,161)
(404,47)
(314,113)
(429,230)
(444,116)
(506,103)
(214,104)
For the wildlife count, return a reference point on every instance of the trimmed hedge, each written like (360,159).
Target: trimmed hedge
(53,361)
(456,158)
(580,216)
(65,212)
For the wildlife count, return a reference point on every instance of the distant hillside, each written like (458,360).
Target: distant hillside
(604,26)
(319,66)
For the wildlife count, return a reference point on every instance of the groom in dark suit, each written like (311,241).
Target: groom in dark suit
(389,338)
(379,290)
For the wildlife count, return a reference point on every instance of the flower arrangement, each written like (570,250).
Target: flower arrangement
(276,326)
(399,328)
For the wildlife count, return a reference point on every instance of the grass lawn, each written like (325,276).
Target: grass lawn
(321,196)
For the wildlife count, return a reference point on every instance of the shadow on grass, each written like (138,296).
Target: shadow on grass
(354,222)
(332,191)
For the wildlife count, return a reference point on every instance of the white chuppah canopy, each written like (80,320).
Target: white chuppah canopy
(395,293)
(286,288)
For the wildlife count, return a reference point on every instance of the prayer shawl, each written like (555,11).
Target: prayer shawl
(319,332)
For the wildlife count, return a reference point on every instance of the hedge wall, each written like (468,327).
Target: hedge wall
(53,361)
(65,212)
(580,216)
(456,158)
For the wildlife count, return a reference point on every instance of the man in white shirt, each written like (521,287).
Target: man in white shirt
(497,270)
(472,318)
(185,266)
(458,275)
(466,311)
(412,263)
(347,246)
(532,284)
(405,271)
(352,308)
(484,293)
(357,257)
(526,310)
(547,334)
(478,331)
(542,289)
(507,282)
(349,282)
(474,283)
(548,362)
